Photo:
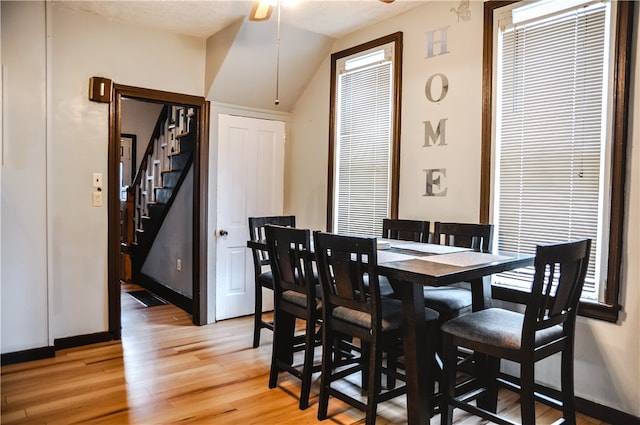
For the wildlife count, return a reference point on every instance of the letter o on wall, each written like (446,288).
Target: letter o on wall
(443,91)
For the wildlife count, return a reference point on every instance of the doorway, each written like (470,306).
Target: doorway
(199,199)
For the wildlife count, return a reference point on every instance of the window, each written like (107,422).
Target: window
(555,157)
(364,136)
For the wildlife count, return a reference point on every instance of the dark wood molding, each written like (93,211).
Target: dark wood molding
(608,313)
(27,355)
(200,215)
(597,411)
(166,293)
(80,340)
(199,236)
(487,105)
(397,115)
(623,41)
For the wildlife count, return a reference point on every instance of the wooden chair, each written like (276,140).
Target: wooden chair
(263,278)
(452,301)
(546,327)
(297,296)
(406,230)
(353,307)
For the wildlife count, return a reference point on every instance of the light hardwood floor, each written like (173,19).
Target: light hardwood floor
(166,370)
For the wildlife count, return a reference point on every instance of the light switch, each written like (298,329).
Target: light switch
(97,179)
(97,199)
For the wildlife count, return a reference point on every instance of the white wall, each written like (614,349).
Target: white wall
(23,265)
(74,139)
(607,355)
(139,118)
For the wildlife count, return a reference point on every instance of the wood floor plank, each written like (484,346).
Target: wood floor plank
(165,370)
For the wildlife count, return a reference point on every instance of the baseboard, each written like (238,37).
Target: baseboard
(597,411)
(28,355)
(165,292)
(80,340)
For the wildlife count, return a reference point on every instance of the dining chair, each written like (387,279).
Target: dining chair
(353,307)
(296,296)
(406,230)
(546,327)
(453,300)
(262,273)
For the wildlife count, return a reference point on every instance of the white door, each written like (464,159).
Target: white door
(250,183)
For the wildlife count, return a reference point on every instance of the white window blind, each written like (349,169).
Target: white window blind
(363,156)
(550,143)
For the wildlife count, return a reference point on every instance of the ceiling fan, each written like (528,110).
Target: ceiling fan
(261,9)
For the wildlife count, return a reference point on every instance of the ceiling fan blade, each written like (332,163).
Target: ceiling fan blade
(261,11)
(387,1)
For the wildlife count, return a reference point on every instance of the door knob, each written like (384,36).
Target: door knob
(223,232)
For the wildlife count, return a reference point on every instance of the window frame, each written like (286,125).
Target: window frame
(396,39)
(609,309)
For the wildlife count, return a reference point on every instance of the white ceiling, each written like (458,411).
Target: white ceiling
(333,18)
(243,71)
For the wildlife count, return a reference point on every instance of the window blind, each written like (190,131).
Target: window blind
(363,149)
(550,139)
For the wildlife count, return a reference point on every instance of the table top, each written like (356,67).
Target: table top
(432,264)
(436,265)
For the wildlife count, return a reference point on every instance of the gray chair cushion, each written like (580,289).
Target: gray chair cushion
(449,301)
(298,299)
(391,315)
(496,327)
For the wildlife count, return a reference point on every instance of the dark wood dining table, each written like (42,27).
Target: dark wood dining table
(413,265)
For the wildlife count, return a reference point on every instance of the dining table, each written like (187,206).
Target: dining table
(411,266)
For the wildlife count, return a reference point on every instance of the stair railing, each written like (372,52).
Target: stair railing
(175,124)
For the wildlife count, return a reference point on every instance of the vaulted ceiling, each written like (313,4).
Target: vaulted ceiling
(241,54)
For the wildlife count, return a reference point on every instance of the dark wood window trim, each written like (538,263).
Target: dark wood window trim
(609,309)
(395,131)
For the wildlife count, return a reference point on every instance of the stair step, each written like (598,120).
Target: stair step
(187,142)
(179,161)
(170,178)
(163,194)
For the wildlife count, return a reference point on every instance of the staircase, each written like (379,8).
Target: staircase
(164,166)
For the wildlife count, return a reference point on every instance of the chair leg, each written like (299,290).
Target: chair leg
(257,315)
(527,401)
(448,382)
(568,403)
(282,351)
(374,382)
(392,364)
(365,359)
(307,367)
(487,369)
(327,368)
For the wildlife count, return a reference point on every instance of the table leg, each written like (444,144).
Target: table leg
(481,298)
(415,354)
(481,293)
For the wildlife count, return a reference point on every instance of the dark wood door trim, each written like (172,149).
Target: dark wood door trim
(200,190)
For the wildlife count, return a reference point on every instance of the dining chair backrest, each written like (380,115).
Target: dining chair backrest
(560,271)
(257,233)
(406,230)
(290,256)
(347,273)
(478,237)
